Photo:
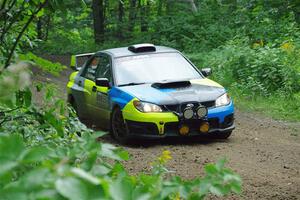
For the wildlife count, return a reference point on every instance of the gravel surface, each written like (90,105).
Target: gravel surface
(265,152)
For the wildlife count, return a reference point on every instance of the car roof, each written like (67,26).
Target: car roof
(123,51)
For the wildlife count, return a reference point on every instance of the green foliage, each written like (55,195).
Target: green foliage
(78,171)
(17,30)
(13,79)
(70,42)
(277,105)
(259,70)
(258,74)
(45,158)
(48,66)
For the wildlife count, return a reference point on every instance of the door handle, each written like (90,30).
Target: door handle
(94,89)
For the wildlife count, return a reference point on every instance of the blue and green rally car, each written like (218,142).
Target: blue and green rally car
(147,91)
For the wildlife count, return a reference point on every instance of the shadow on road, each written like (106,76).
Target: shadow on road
(176,141)
(144,143)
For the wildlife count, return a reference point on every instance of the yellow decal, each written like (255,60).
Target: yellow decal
(206,81)
(159,118)
(102,89)
(73,61)
(71,82)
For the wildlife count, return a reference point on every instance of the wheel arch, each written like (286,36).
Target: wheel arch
(114,107)
(70,99)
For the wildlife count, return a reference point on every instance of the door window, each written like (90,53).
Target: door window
(104,68)
(91,68)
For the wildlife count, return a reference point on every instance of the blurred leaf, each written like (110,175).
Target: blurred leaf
(72,188)
(36,154)
(121,188)
(86,176)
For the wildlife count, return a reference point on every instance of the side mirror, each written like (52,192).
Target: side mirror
(206,72)
(102,82)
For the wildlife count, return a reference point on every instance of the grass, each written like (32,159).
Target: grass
(45,65)
(274,106)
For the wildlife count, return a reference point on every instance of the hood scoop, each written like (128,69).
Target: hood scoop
(173,84)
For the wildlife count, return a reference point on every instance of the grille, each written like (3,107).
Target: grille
(142,127)
(173,126)
(180,107)
(213,122)
(194,124)
(228,121)
(209,104)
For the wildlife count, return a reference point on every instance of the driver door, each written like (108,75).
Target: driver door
(97,97)
(102,98)
(89,75)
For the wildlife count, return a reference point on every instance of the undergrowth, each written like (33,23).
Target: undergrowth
(260,77)
(45,65)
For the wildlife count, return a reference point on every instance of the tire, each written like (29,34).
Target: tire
(222,135)
(119,129)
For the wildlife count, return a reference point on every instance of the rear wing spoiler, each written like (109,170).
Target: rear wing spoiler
(77,61)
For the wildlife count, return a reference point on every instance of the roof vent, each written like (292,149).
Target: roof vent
(140,48)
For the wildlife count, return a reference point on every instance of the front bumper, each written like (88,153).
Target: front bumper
(166,124)
(149,130)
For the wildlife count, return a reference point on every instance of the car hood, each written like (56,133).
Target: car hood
(200,90)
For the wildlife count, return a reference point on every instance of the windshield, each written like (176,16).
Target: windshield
(154,68)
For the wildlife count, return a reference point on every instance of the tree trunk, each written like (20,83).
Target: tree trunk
(144,14)
(132,15)
(48,21)
(39,27)
(120,20)
(159,7)
(98,16)
(193,5)
(172,6)
(169,6)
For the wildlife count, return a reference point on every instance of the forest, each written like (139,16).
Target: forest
(252,46)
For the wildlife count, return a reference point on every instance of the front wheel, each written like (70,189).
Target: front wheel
(118,127)
(222,135)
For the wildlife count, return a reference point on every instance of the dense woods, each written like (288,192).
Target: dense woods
(253,47)
(188,25)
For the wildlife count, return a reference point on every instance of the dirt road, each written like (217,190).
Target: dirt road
(265,152)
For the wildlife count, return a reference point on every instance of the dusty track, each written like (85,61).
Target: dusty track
(265,152)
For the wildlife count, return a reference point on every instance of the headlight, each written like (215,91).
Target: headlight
(223,100)
(146,107)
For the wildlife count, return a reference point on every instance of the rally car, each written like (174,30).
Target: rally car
(148,91)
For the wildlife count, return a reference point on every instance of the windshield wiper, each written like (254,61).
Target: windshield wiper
(133,83)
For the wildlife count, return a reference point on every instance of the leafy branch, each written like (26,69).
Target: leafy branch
(33,15)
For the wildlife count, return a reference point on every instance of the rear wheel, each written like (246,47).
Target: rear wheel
(118,127)
(222,135)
